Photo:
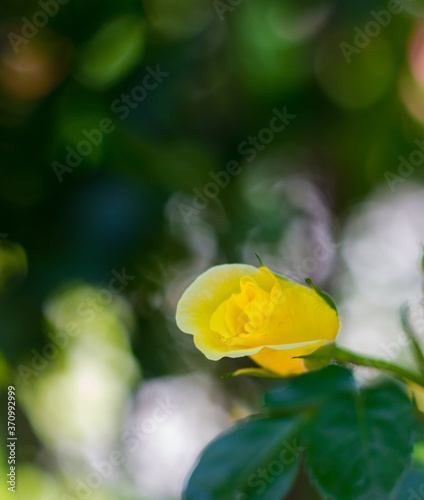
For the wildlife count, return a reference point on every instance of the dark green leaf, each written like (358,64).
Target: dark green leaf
(360,444)
(310,390)
(257,459)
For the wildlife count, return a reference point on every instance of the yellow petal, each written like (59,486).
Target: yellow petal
(284,362)
(202,298)
(237,310)
(300,315)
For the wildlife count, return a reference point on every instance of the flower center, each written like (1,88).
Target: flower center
(244,315)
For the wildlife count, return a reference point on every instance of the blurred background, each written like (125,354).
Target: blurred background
(142,141)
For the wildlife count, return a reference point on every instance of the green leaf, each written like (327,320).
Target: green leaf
(411,486)
(418,454)
(310,390)
(359,444)
(319,358)
(258,459)
(111,53)
(322,294)
(253,372)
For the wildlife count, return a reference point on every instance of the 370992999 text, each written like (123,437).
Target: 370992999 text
(11,432)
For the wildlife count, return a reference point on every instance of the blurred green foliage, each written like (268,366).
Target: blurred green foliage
(119,207)
(225,78)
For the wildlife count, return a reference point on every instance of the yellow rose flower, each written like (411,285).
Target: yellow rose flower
(236,310)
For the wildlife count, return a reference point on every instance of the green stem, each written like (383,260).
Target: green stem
(344,356)
(416,349)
